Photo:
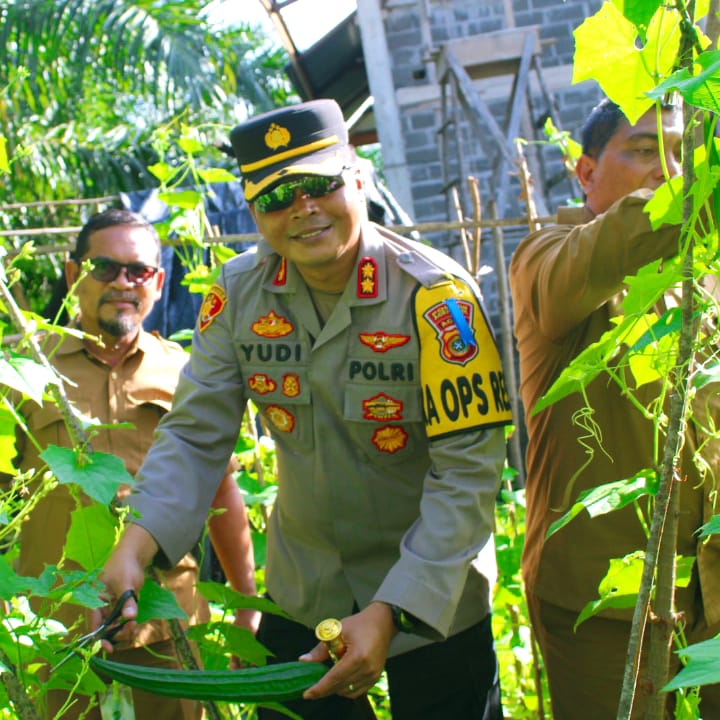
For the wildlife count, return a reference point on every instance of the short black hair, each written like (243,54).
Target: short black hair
(600,126)
(603,122)
(106,219)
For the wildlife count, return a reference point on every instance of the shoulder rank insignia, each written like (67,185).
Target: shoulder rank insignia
(272,326)
(367,286)
(281,275)
(212,306)
(381,342)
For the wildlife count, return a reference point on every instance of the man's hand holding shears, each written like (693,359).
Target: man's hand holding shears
(123,572)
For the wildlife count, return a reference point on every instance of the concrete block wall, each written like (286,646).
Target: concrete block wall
(419,101)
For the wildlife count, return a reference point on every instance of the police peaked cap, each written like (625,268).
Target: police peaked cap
(305,139)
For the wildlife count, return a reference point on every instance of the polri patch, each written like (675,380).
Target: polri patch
(461,372)
(213,304)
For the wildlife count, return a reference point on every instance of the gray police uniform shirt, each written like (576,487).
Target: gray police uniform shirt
(387,422)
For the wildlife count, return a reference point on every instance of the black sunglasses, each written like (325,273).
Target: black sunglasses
(105,270)
(282,196)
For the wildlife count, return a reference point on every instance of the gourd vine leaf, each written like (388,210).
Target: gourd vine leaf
(92,535)
(606,50)
(4,160)
(711,527)
(702,667)
(638,12)
(25,375)
(7,445)
(157,603)
(213,175)
(608,497)
(98,474)
(234,600)
(699,87)
(619,588)
(237,641)
(643,290)
(187,199)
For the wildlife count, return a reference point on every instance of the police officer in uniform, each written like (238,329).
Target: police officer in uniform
(373,365)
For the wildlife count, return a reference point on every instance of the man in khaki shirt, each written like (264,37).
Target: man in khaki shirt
(119,373)
(567,286)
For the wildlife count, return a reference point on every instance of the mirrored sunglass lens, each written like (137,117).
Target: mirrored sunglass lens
(320,186)
(283,195)
(278,198)
(139,273)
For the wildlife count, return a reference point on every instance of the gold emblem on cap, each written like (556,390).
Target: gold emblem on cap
(277,137)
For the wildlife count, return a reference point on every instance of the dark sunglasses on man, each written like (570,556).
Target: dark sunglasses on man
(105,270)
(282,196)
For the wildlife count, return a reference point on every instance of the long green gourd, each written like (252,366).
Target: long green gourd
(272,683)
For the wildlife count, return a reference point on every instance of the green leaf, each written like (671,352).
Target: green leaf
(699,86)
(618,589)
(665,207)
(10,582)
(233,600)
(187,199)
(711,527)
(7,441)
(606,50)
(162,171)
(586,366)
(608,497)
(648,285)
(214,175)
(683,571)
(157,603)
(638,12)
(238,641)
(191,145)
(25,375)
(652,356)
(91,536)
(222,253)
(98,474)
(4,162)
(702,666)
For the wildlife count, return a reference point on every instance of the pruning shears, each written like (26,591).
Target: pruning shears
(106,631)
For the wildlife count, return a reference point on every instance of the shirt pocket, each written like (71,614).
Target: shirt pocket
(385,421)
(283,398)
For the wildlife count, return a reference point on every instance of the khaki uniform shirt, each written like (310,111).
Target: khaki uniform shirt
(373,501)
(567,285)
(139,391)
